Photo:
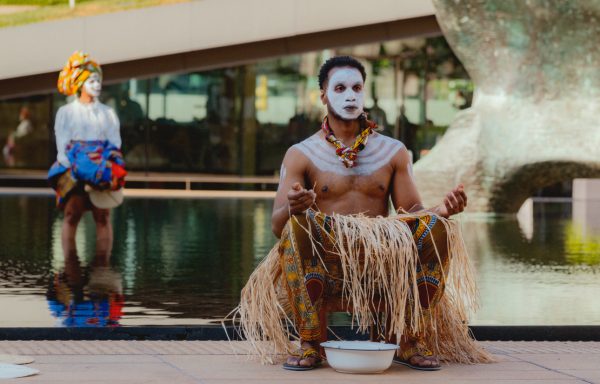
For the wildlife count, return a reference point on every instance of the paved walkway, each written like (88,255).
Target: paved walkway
(215,362)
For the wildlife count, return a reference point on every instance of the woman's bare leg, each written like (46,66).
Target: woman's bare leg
(74,209)
(104,233)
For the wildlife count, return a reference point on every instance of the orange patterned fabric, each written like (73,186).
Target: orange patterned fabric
(75,72)
(346,154)
(312,275)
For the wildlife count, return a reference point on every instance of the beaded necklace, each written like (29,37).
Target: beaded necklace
(346,154)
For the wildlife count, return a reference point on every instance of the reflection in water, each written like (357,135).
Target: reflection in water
(542,276)
(582,240)
(586,214)
(90,296)
(185,261)
(525,218)
(581,247)
(191,258)
(86,297)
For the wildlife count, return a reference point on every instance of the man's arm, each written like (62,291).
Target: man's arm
(406,197)
(404,192)
(292,198)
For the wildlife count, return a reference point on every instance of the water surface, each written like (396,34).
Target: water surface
(183,262)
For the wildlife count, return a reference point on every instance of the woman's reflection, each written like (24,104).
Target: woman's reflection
(89,296)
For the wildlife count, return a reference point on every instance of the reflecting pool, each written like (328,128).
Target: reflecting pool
(183,262)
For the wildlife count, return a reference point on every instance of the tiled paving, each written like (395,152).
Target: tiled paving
(222,362)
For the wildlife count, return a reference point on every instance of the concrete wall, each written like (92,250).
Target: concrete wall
(197,25)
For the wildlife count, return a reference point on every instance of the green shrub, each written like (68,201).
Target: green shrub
(39,2)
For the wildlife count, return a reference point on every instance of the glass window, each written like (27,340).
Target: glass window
(242,119)
(25,136)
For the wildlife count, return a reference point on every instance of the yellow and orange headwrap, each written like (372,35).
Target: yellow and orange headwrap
(75,73)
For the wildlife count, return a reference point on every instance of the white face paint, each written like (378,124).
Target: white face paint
(93,85)
(345,92)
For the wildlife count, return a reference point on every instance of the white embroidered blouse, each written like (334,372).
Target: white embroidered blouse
(78,121)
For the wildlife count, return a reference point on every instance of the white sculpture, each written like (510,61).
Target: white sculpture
(535,118)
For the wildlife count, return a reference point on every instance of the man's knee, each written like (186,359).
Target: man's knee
(427,294)
(434,246)
(439,232)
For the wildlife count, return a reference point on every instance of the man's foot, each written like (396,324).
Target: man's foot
(308,358)
(415,355)
(419,362)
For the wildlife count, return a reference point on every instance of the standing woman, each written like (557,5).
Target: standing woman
(89,170)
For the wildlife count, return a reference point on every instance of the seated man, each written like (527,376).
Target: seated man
(344,170)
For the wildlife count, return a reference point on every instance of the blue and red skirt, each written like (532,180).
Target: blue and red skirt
(96,163)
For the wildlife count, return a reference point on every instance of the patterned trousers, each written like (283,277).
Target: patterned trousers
(313,277)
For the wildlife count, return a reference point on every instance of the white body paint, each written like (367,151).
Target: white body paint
(348,104)
(378,152)
(93,85)
(410,170)
(282,173)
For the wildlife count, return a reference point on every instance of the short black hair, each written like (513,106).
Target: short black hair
(339,61)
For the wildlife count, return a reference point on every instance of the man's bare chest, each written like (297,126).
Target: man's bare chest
(331,185)
(331,179)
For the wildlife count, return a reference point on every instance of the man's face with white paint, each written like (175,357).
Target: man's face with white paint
(93,85)
(344,95)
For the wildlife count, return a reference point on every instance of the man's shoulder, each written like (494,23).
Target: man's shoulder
(388,140)
(382,149)
(310,140)
(387,145)
(300,152)
(305,145)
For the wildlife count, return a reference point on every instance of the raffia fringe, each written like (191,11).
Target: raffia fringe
(387,272)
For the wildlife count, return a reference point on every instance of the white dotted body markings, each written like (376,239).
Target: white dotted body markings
(377,154)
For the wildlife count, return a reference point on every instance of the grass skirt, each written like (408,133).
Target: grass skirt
(379,258)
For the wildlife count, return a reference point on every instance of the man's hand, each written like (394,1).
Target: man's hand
(300,199)
(454,202)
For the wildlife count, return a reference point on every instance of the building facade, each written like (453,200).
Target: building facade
(232,102)
(241,119)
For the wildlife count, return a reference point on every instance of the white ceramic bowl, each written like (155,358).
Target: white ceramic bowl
(359,356)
